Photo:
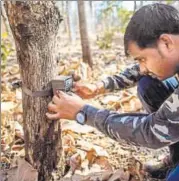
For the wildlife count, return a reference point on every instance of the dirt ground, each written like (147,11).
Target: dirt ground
(89,154)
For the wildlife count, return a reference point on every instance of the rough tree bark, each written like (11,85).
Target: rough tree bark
(34,25)
(84,34)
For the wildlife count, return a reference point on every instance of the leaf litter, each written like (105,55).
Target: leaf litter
(89,154)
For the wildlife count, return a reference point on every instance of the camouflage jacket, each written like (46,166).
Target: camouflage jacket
(153,130)
(125,79)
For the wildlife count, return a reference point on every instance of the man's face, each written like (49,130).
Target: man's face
(161,61)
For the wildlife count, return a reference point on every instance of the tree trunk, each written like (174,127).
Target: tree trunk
(92,21)
(64,14)
(135,6)
(35,25)
(68,21)
(141,3)
(84,34)
(91,15)
(91,6)
(5,21)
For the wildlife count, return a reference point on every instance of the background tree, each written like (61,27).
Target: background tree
(86,51)
(4,20)
(141,4)
(135,6)
(35,25)
(90,20)
(68,20)
(62,7)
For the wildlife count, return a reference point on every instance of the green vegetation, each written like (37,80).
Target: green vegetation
(124,17)
(105,41)
(6,49)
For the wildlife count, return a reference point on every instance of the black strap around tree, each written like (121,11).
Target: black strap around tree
(42,93)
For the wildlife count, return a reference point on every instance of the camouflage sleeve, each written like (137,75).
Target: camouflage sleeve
(150,130)
(125,79)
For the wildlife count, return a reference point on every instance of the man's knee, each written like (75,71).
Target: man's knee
(174,174)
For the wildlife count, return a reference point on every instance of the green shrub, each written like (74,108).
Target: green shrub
(124,17)
(6,49)
(105,41)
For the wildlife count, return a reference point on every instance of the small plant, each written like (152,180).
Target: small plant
(6,49)
(105,41)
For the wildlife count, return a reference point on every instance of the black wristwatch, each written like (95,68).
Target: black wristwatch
(81,117)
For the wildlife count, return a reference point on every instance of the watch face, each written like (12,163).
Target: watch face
(80,118)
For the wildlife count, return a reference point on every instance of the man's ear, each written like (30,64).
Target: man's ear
(166,42)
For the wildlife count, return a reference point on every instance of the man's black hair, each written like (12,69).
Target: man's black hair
(149,22)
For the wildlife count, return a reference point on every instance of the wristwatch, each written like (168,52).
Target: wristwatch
(81,117)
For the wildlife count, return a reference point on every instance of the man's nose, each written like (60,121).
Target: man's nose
(143,69)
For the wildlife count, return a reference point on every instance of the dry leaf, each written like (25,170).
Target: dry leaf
(7,106)
(110,99)
(4,147)
(103,163)
(75,162)
(91,156)
(25,171)
(18,109)
(69,150)
(70,132)
(120,175)
(135,168)
(14,70)
(94,176)
(84,145)
(98,176)
(135,104)
(8,135)
(8,96)
(61,70)
(19,130)
(5,159)
(100,151)
(77,128)
(74,65)
(17,147)
(68,140)
(18,94)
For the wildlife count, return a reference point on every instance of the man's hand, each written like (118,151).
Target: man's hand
(87,91)
(64,106)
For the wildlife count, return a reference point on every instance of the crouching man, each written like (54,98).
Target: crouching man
(151,38)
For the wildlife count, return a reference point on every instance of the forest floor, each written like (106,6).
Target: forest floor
(89,154)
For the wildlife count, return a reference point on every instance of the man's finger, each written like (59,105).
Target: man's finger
(56,99)
(52,107)
(79,94)
(74,95)
(53,116)
(61,94)
(76,86)
(76,77)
